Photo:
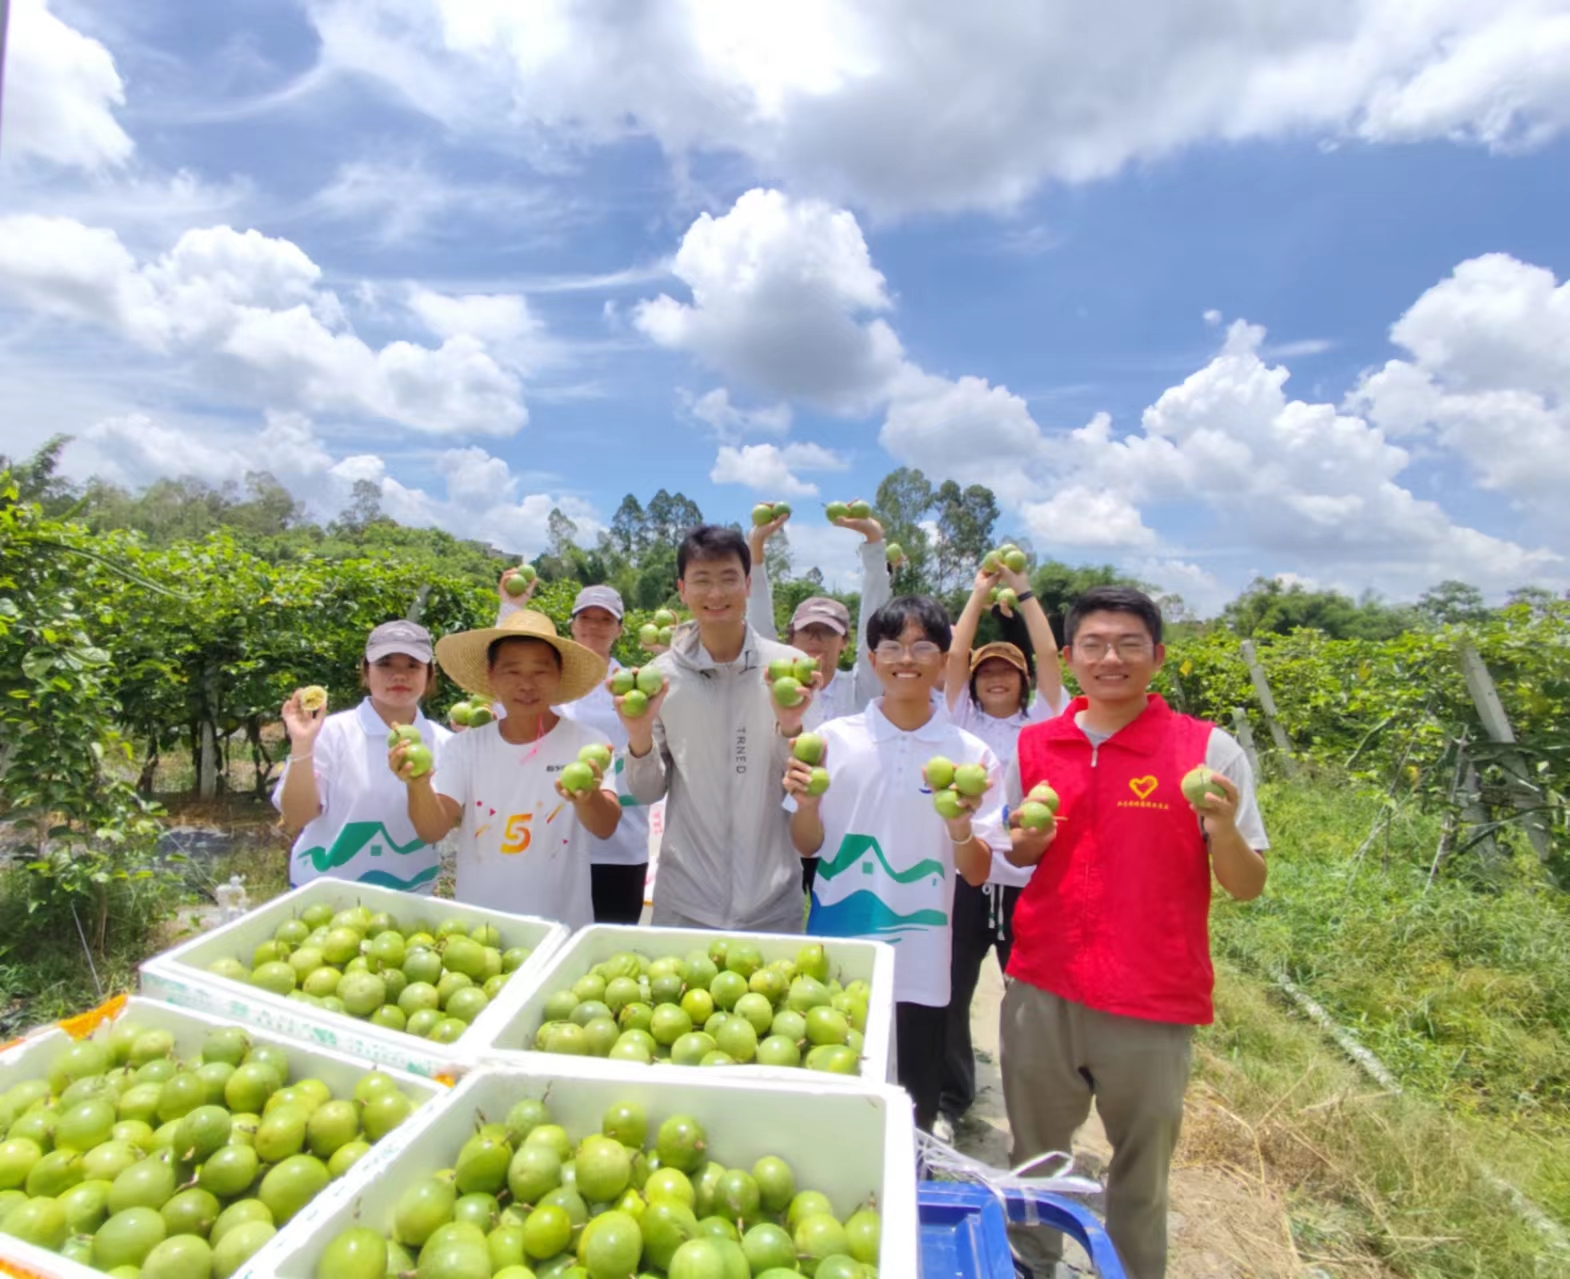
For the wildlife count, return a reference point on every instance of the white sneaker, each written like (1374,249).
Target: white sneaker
(943,1129)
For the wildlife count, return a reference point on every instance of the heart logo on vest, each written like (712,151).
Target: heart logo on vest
(1142,786)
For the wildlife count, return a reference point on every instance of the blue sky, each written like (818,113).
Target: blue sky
(1201,298)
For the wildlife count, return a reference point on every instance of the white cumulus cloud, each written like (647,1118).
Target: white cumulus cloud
(771,469)
(61,91)
(908,105)
(249,310)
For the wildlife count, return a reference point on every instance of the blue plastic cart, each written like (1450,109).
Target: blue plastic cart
(963,1231)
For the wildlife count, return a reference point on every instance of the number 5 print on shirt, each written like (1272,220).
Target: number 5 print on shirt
(516,836)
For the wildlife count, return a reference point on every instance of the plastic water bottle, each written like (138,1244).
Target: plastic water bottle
(232,900)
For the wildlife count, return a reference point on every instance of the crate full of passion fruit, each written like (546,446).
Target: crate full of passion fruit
(160,1142)
(761,1002)
(417,983)
(527,1171)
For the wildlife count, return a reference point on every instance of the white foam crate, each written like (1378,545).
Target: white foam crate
(850,1144)
(181,976)
(32,1056)
(849,960)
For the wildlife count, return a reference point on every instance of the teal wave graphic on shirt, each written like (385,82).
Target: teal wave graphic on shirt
(386,879)
(351,840)
(854,849)
(864,914)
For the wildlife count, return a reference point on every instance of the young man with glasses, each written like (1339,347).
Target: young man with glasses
(713,743)
(1110,969)
(887,860)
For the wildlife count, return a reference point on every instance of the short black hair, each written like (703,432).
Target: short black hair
(712,542)
(1113,599)
(890,621)
(493,650)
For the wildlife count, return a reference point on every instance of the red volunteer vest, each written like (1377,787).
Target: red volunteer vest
(1117,914)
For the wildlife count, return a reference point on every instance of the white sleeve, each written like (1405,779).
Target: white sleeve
(876,590)
(323,758)
(1225,756)
(760,602)
(454,772)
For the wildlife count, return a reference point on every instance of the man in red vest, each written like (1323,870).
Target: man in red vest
(1110,970)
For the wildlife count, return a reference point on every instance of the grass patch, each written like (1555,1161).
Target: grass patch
(1462,987)
(1374,1184)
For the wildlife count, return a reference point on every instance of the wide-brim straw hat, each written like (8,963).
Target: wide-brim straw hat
(462,655)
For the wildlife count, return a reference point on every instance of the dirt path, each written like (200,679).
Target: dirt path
(1222,1225)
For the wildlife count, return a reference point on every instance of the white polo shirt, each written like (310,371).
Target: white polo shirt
(886,869)
(521,847)
(363,832)
(629,846)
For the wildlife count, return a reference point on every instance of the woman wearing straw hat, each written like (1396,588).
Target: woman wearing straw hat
(989,694)
(619,865)
(525,841)
(335,790)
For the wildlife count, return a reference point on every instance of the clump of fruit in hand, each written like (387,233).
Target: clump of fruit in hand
(1005,597)
(635,704)
(818,782)
(859,510)
(663,618)
(947,801)
(597,753)
(635,686)
(836,510)
(402,733)
(767,512)
(650,680)
(578,778)
(1006,556)
(473,714)
(940,772)
(808,748)
(517,580)
(417,759)
(970,779)
(1200,787)
(788,692)
(665,635)
(624,681)
(1042,793)
(649,635)
(991,562)
(313,698)
(895,552)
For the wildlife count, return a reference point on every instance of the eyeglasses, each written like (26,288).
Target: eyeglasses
(1129,649)
(921,650)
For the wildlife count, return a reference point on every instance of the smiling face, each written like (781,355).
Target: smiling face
(396,681)
(596,628)
(525,676)
(715,591)
(999,687)
(1113,658)
(821,642)
(911,673)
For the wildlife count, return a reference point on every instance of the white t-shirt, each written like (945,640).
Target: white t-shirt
(363,832)
(521,848)
(886,868)
(1002,735)
(629,846)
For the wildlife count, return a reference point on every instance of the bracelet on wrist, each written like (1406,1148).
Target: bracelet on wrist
(960,843)
(1024,595)
(298,759)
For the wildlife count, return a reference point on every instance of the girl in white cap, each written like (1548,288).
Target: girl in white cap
(336,791)
(618,865)
(989,694)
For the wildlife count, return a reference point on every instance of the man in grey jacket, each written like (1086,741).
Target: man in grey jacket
(714,744)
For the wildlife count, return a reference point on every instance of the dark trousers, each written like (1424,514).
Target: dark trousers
(983,920)
(617,892)
(918,1045)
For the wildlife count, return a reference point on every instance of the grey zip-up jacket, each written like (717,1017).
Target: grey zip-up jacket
(726,857)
